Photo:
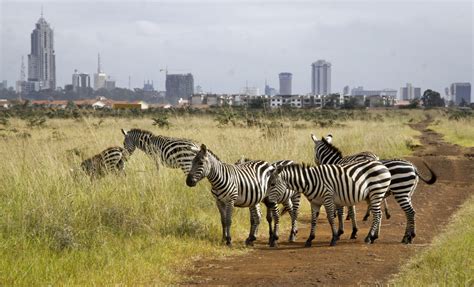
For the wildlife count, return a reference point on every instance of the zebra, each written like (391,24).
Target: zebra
(326,153)
(109,160)
(335,186)
(233,185)
(404,180)
(171,152)
(291,203)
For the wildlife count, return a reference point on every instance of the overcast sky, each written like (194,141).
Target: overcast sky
(226,43)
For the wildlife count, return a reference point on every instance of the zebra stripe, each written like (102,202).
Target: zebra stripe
(335,186)
(241,185)
(290,200)
(109,160)
(171,152)
(404,179)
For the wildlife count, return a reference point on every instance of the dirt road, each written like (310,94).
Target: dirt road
(353,262)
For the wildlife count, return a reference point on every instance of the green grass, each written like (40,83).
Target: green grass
(460,132)
(58,227)
(449,261)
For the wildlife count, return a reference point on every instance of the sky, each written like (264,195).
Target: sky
(227,45)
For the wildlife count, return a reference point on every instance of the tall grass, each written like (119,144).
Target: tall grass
(59,227)
(449,260)
(457,131)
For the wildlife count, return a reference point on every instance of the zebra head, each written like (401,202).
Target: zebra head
(321,147)
(200,167)
(128,142)
(276,185)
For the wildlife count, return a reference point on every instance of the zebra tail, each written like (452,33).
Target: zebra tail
(433,178)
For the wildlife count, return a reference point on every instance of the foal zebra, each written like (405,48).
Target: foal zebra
(335,186)
(290,200)
(241,185)
(171,152)
(404,179)
(109,160)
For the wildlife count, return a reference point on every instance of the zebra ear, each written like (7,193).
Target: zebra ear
(124,132)
(329,138)
(204,148)
(314,138)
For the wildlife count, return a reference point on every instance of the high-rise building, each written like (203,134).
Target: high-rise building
(285,83)
(80,80)
(41,60)
(100,77)
(409,93)
(460,92)
(148,86)
(179,86)
(346,91)
(269,91)
(321,78)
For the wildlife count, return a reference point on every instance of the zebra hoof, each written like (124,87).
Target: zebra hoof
(308,244)
(354,234)
(292,238)
(388,215)
(249,241)
(370,239)
(365,218)
(273,244)
(229,244)
(340,232)
(333,242)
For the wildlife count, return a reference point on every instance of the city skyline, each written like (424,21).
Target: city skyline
(177,42)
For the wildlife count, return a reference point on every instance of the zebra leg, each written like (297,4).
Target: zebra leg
(367,213)
(255,215)
(269,206)
(340,216)
(385,205)
(376,220)
(229,207)
(222,211)
(348,214)
(329,206)
(407,207)
(352,216)
(314,218)
(275,212)
(295,201)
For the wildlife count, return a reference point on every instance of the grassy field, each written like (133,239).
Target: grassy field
(457,128)
(58,227)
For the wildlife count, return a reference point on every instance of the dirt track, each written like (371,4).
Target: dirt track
(353,262)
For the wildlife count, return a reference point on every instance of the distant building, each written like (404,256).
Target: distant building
(269,91)
(3,85)
(179,86)
(80,80)
(251,91)
(42,59)
(360,91)
(346,91)
(109,84)
(100,77)
(147,86)
(285,83)
(321,78)
(409,93)
(460,92)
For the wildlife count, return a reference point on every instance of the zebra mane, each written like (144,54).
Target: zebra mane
(332,147)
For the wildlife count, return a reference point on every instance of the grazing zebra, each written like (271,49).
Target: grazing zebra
(404,180)
(335,186)
(326,153)
(171,152)
(291,203)
(240,185)
(111,159)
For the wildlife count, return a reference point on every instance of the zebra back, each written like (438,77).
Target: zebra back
(109,160)
(171,152)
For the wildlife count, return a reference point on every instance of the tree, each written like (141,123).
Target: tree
(432,99)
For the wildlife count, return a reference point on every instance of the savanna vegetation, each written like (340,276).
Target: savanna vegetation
(59,227)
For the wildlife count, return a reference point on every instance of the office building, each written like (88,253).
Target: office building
(285,83)
(179,86)
(461,92)
(321,78)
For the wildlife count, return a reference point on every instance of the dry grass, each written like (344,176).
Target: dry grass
(58,227)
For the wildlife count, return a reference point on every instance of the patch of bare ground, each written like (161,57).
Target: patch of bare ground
(352,262)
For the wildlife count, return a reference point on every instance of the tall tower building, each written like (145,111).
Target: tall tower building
(179,86)
(100,77)
(41,60)
(285,83)
(461,92)
(321,78)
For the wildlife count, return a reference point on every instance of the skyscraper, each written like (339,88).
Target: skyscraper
(100,77)
(460,92)
(41,60)
(179,86)
(409,93)
(285,83)
(321,78)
